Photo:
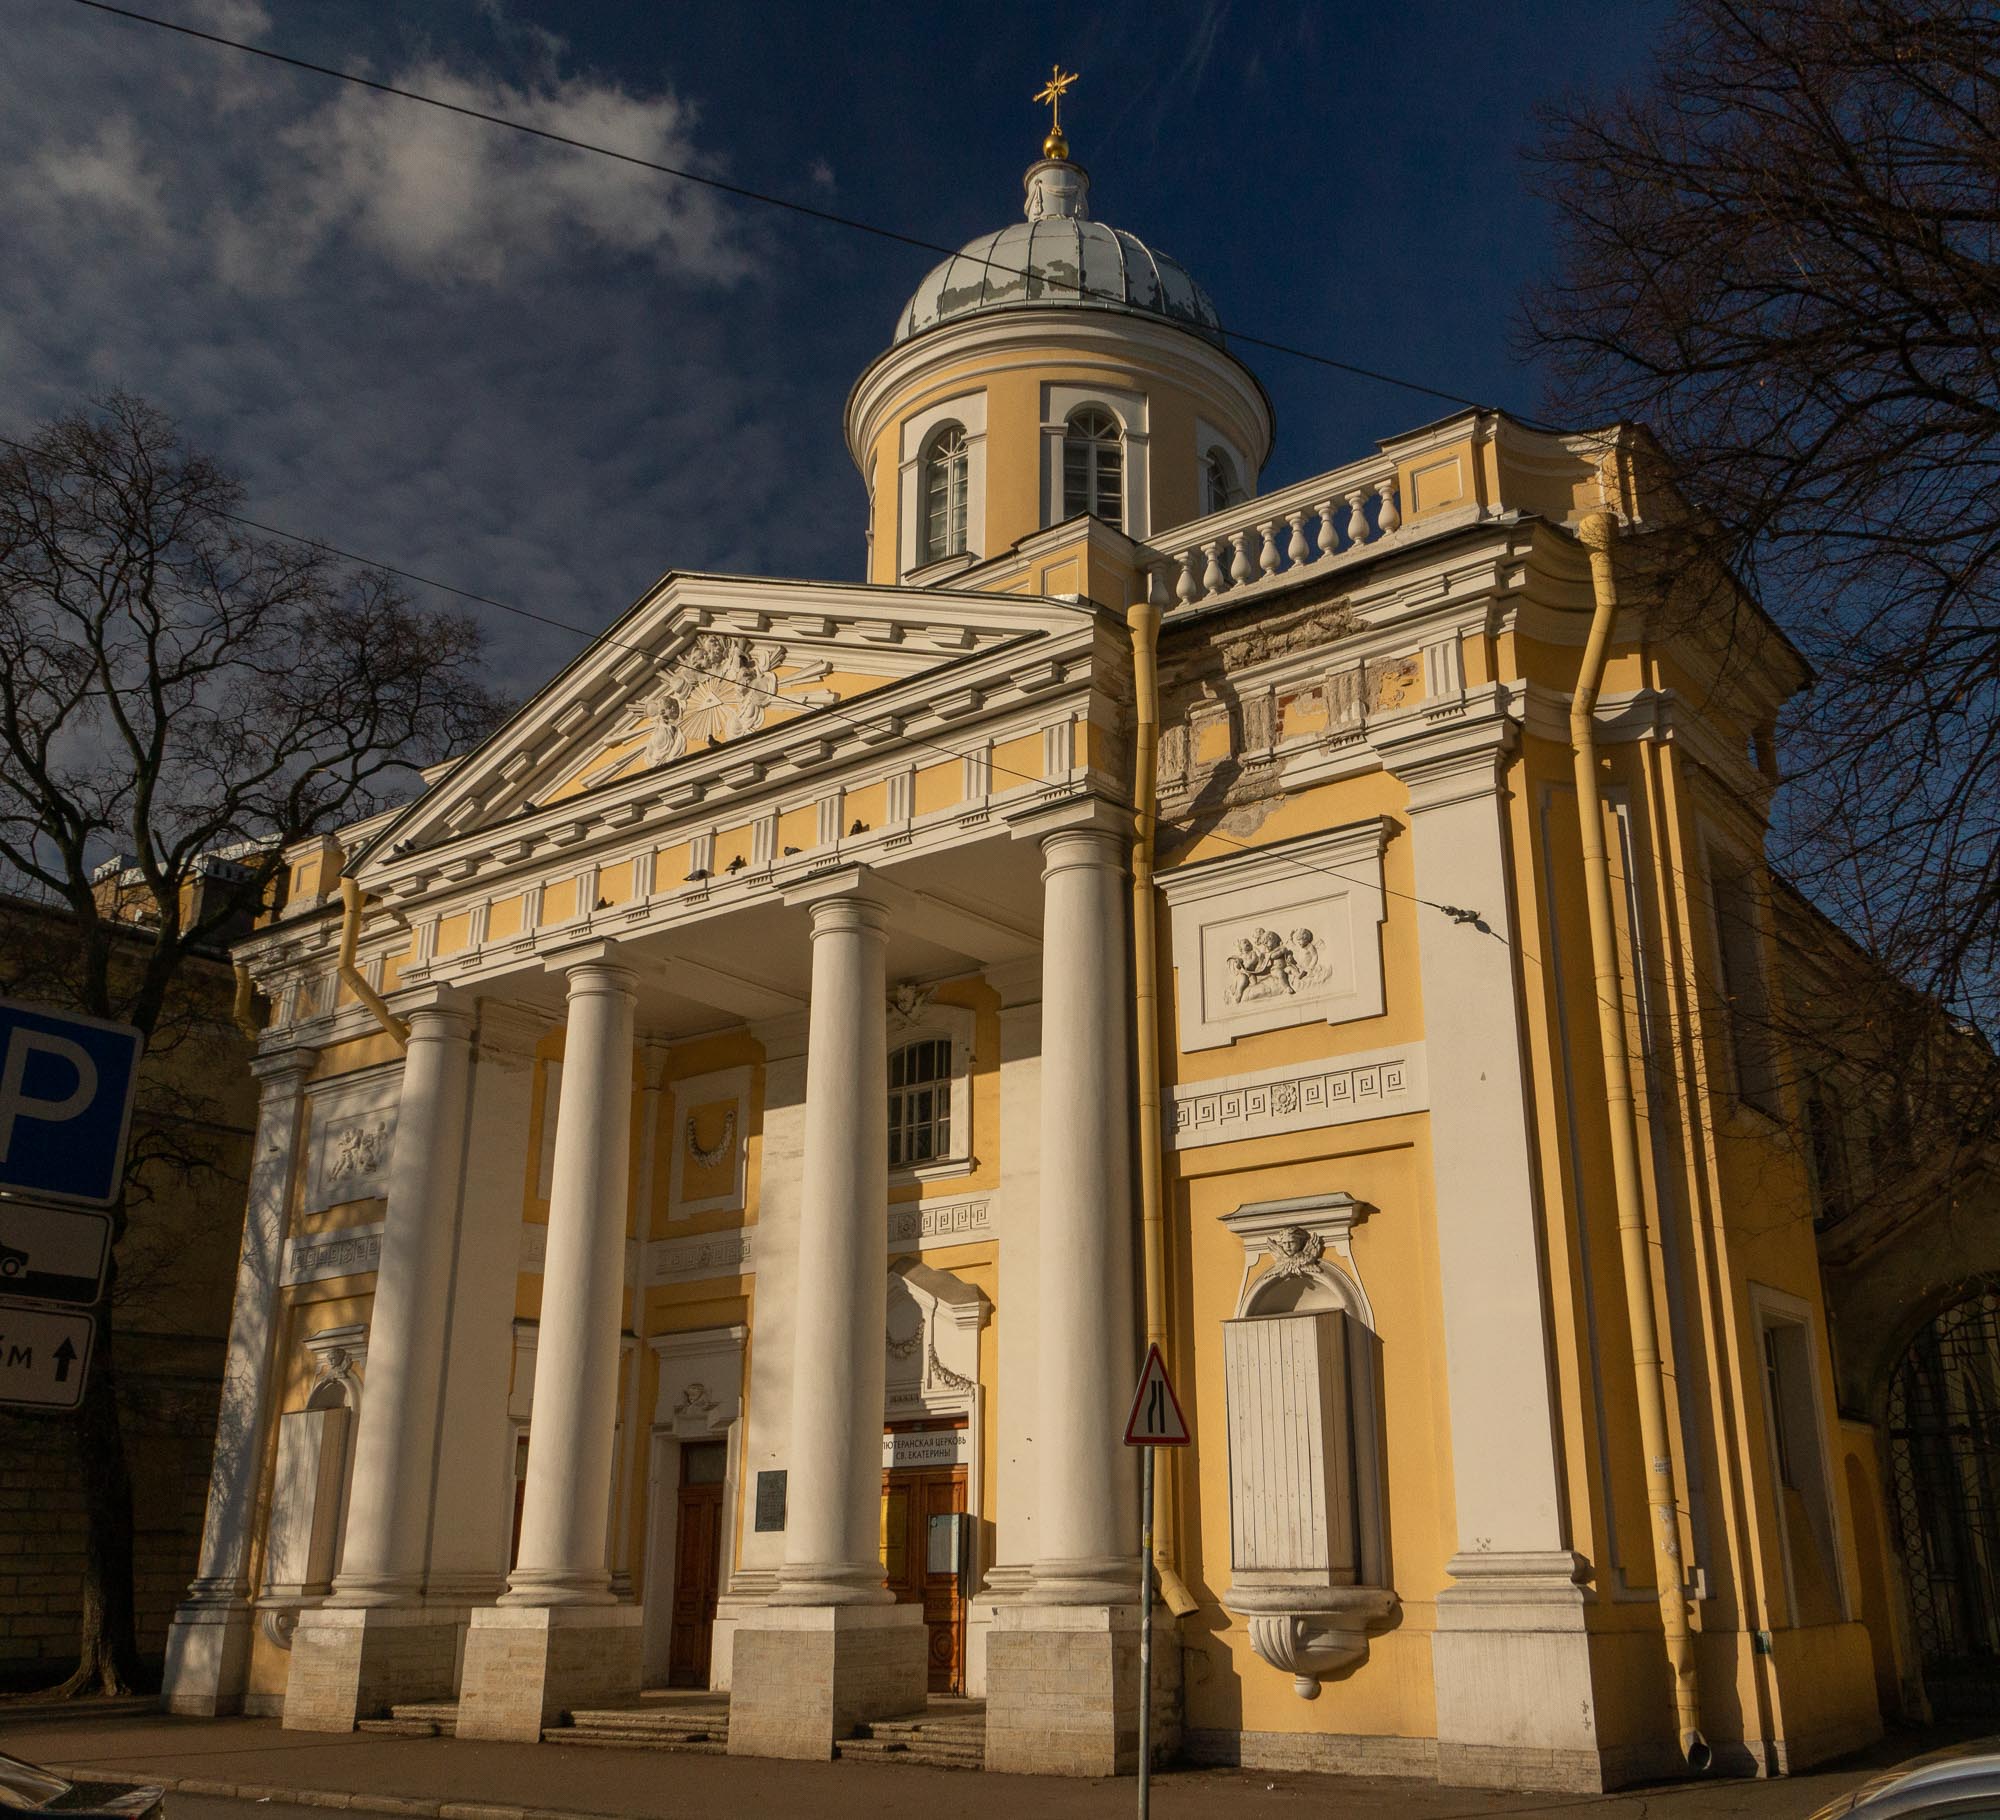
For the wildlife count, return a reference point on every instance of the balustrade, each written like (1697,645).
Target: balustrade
(1269,537)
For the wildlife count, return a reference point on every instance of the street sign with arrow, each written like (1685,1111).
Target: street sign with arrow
(44,1356)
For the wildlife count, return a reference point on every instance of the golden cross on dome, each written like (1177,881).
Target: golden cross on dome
(1058,85)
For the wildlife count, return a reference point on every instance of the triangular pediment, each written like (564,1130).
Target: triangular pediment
(705,663)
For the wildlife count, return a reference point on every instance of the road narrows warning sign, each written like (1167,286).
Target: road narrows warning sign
(1156,1419)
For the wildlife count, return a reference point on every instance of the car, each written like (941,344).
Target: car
(26,1788)
(1964,1782)
(12,1263)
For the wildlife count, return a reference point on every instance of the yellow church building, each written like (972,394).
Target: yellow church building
(725,1146)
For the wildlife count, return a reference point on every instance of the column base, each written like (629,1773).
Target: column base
(803,1677)
(1062,1689)
(527,1665)
(354,1662)
(208,1658)
(1511,1661)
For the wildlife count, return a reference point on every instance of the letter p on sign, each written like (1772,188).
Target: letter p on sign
(65,1103)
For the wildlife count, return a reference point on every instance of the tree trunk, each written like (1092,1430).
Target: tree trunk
(108,1646)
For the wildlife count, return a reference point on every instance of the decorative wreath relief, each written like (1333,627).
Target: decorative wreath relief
(1269,965)
(709,1156)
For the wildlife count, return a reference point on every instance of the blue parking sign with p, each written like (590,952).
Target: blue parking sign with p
(65,1103)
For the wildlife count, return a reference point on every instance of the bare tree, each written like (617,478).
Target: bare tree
(1782,254)
(181,697)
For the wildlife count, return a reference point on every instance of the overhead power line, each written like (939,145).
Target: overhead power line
(605,639)
(743,193)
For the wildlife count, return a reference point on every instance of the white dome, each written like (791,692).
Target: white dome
(1059,256)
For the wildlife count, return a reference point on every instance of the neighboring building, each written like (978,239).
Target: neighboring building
(1896,1102)
(192,1116)
(719,1261)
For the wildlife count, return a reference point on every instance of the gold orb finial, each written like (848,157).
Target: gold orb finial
(1058,85)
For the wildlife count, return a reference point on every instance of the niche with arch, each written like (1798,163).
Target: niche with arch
(1308,1547)
(309,1486)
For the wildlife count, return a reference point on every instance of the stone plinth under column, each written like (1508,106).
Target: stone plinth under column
(354,1662)
(804,1676)
(527,1665)
(1062,1690)
(1511,1663)
(208,1659)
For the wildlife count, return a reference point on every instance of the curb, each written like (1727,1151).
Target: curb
(407,1806)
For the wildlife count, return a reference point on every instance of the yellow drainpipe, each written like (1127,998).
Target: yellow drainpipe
(1143,617)
(350,940)
(1597,532)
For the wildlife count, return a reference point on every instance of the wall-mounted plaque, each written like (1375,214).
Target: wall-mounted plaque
(770,1500)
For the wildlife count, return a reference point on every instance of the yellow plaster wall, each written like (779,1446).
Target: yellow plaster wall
(1385,1163)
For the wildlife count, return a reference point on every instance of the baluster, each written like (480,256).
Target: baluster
(1189,586)
(1357,517)
(1329,532)
(1387,518)
(1214,578)
(1157,591)
(1299,550)
(1241,568)
(1273,557)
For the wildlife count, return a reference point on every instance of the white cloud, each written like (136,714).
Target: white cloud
(519,367)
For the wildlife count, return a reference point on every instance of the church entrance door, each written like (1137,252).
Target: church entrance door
(697,1563)
(923,1545)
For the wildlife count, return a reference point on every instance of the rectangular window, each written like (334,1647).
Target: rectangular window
(1805,1503)
(1740,943)
(920,1102)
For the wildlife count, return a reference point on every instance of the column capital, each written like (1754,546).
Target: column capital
(591,969)
(1082,812)
(283,1070)
(843,885)
(1442,766)
(1096,848)
(440,1022)
(591,953)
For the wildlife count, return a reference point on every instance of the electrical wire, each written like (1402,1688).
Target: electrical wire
(762,198)
(1458,914)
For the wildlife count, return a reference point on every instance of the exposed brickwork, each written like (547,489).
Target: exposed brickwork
(169,1421)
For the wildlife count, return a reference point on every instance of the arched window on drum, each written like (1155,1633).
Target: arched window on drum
(1094,466)
(945,473)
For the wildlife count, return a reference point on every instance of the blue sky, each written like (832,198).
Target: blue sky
(547,377)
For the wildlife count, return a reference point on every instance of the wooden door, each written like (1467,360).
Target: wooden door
(911,1496)
(697,1563)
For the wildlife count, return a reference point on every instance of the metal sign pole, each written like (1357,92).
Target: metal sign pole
(1145,1630)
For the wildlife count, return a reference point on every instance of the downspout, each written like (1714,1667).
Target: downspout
(1597,532)
(350,974)
(1143,617)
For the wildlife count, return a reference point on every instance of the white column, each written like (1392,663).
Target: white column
(833,1506)
(383,1559)
(1086,1525)
(208,1647)
(575,1412)
(472,1523)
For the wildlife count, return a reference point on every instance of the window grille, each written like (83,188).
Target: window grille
(945,494)
(1094,467)
(920,1102)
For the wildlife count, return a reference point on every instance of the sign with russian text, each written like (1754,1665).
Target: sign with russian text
(65,1103)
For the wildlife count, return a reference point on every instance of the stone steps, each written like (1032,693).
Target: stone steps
(699,1730)
(415,1719)
(933,1740)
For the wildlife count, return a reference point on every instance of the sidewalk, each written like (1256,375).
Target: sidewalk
(453,1779)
